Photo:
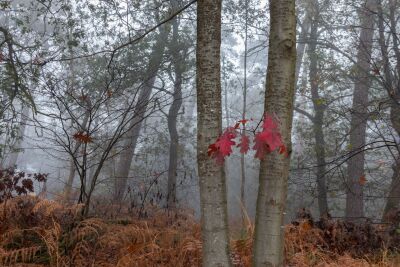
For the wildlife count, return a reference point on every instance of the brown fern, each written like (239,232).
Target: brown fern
(25,255)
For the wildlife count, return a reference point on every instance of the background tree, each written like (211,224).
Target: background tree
(178,57)
(125,159)
(390,84)
(359,116)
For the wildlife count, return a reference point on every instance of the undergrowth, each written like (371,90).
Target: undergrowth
(39,232)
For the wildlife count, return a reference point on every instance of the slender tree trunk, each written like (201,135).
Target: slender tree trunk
(393,200)
(301,47)
(318,121)
(226,106)
(72,167)
(274,169)
(321,162)
(242,156)
(359,116)
(71,87)
(300,51)
(213,199)
(173,114)
(13,158)
(132,136)
(71,177)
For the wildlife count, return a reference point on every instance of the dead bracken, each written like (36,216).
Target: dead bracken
(39,232)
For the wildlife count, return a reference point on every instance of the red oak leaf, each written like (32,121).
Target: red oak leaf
(243,122)
(260,146)
(244,144)
(223,146)
(269,139)
(269,123)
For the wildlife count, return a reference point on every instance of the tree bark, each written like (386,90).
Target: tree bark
(274,169)
(173,114)
(359,116)
(213,199)
(132,136)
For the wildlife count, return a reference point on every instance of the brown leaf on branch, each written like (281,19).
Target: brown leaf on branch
(83,138)
(362,180)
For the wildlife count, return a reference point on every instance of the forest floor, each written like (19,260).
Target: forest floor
(39,232)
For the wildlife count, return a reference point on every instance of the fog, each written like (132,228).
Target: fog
(87,89)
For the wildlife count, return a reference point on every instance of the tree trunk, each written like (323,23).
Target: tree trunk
(318,121)
(13,158)
(393,200)
(132,136)
(213,200)
(173,114)
(225,90)
(71,177)
(226,106)
(71,85)
(301,47)
(242,156)
(359,116)
(72,167)
(274,169)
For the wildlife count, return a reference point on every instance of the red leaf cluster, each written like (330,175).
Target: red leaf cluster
(266,141)
(269,139)
(223,146)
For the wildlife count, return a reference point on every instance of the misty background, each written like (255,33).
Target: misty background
(101,96)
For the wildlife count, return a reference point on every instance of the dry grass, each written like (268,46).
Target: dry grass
(37,232)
